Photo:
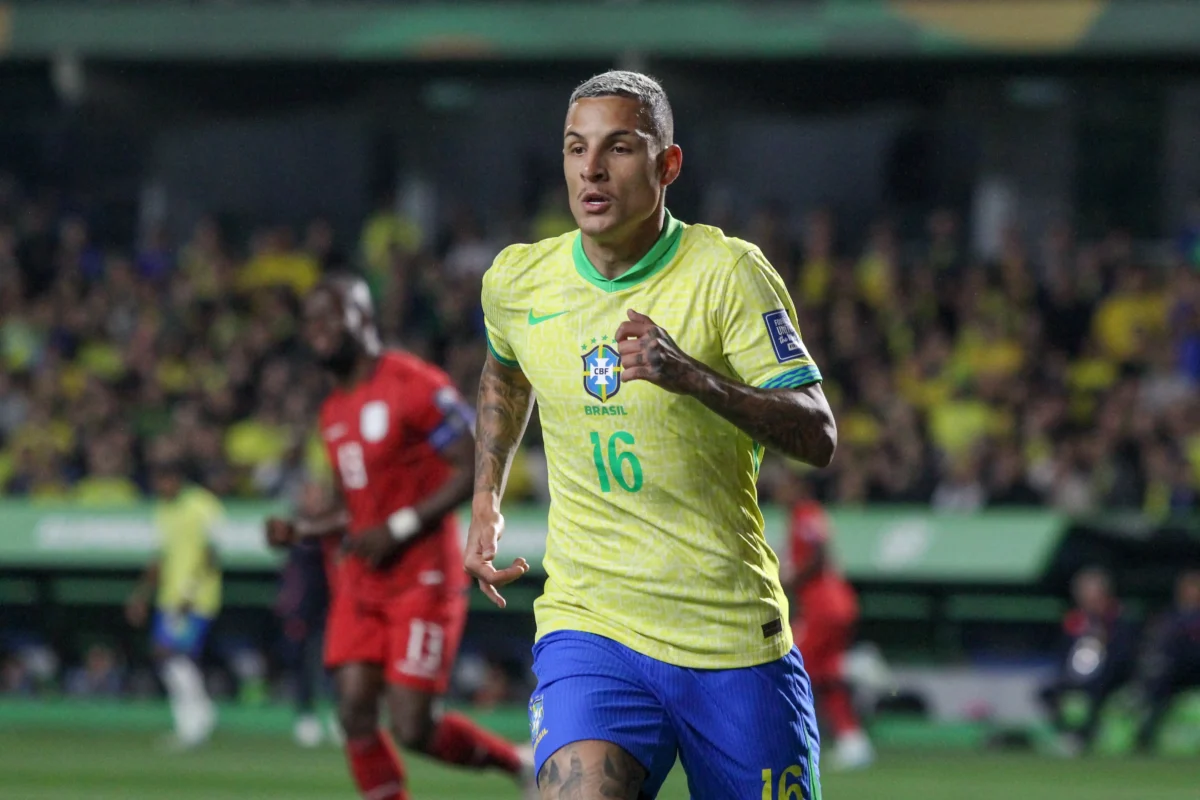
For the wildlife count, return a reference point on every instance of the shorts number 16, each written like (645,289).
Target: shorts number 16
(788,789)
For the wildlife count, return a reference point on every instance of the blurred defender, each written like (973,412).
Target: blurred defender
(188,578)
(664,358)
(823,618)
(400,439)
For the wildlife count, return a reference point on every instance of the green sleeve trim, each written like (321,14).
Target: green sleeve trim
(794,378)
(508,362)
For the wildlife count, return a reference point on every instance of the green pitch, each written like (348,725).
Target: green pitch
(50,764)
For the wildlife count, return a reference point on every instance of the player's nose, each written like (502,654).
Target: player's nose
(593,168)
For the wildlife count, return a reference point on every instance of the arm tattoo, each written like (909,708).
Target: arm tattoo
(573,787)
(549,775)
(795,422)
(505,403)
(623,776)
(620,777)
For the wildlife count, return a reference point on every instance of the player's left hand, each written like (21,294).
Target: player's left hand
(648,353)
(375,546)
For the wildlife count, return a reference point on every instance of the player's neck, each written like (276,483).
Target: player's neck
(614,259)
(364,367)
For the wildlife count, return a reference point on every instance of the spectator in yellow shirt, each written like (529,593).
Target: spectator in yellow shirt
(957,425)
(876,269)
(386,235)
(817,264)
(1130,316)
(277,263)
(256,443)
(107,482)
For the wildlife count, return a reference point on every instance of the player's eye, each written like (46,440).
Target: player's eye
(622,149)
(575,149)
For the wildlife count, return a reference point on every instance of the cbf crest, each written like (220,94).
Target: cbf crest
(601,369)
(535,720)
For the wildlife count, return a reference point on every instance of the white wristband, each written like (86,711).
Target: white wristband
(404,524)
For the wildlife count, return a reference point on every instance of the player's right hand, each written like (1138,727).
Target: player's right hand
(280,532)
(483,539)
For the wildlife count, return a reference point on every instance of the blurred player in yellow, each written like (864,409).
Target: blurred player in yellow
(664,358)
(188,580)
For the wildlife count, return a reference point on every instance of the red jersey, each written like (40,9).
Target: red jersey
(384,437)
(827,595)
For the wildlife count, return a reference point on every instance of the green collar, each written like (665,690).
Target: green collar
(648,266)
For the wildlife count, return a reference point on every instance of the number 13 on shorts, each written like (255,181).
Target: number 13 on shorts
(423,655)
(790,786)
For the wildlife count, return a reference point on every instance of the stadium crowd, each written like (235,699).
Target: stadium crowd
(1062,373)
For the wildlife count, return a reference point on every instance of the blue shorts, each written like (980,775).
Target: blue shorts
(180,633)
(737,731)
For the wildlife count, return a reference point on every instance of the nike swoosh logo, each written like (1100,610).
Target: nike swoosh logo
(536,320)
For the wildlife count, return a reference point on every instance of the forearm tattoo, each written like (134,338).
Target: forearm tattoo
(795,422)
(505,403)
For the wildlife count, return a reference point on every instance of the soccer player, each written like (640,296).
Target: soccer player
(823,618)
(188,579)
(400,439)
(664,358)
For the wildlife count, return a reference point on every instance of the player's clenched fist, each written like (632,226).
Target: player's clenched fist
(648,353)
(483,538)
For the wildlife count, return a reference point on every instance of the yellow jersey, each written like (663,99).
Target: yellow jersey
(655,533)
(187,571)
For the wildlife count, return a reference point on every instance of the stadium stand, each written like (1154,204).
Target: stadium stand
(1062,374)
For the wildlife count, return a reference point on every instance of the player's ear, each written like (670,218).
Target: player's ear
(670,162)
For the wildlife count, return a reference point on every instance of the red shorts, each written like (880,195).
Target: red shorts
(414,633)
(823,643)
(824,629)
